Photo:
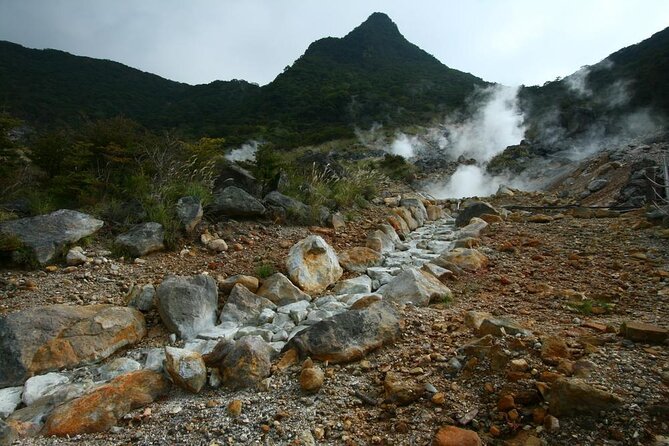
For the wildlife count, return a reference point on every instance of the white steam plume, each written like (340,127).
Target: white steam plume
(405,146)
(496,124)
(247,152)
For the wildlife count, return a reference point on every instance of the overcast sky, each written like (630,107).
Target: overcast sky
(198,41)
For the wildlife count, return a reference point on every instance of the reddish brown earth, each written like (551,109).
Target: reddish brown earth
(576,279)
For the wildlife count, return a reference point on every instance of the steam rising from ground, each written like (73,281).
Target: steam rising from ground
(405,146)
(247,152)
(496,124)
(495,121)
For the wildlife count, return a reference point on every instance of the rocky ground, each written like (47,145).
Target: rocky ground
(527,351)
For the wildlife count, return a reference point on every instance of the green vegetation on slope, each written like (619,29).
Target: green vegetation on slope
(371,75)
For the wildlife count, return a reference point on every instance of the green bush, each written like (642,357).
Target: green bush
(396,167)
(264,270)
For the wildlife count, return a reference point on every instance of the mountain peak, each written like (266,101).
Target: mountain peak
(377,24)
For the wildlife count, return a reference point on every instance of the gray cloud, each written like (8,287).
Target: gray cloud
(507,41)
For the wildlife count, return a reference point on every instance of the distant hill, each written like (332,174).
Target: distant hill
(373,74)
(631,79)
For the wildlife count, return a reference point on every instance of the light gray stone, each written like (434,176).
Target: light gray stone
(75,256)
(244,307)
(280,290)
(187,305)
(189,211)
(10,398)
(116,367)
(155,358)
(42,385)
(142,239)
(360,284)
(47,235)
(416,287)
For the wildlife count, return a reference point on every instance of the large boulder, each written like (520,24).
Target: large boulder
(53,337)
(406,215)
(417,287)
(473,229)
(189,211)
(142,239)
(380,242)
(235,202)
(399,225)
(349,336)
(573,397)
(358,259)
(47,235)
(475,209)
(313,265)
(100,409)
(244,363)
(10,398)
(416,206)
(186,368)
(281,291)
(243,306)
(233,175)
(295,210)
(187,305)
(468,259)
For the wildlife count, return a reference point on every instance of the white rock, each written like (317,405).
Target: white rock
(10,398)
(155,358)
(360,284)
(313,265)
(224,330)
(201,346)
(116,367)
(42,385)
(217,245)
(76,256)
(295,306)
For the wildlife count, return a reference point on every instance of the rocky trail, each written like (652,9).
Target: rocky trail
(494,327)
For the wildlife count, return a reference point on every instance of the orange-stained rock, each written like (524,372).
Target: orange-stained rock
(405,214)
(553,348)
(53,337)
(359,259)
(491,218)
(434,212)
(287,360)
(399,225)
(465,258)
(453,436)
(101,408)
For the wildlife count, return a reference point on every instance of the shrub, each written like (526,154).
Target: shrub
(264,270)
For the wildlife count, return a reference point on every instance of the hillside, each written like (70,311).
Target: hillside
(373,74)
(602,95)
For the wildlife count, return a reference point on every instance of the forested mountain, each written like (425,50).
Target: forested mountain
(373,74)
